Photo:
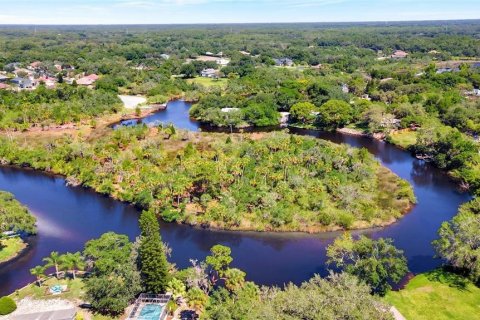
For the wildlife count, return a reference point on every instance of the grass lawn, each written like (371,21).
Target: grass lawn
(437,295)
(10,247)
(404,139)
(75,290)
(208,82)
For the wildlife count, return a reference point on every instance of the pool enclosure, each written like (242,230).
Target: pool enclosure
(150,307)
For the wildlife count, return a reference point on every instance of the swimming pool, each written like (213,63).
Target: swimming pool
(150,312)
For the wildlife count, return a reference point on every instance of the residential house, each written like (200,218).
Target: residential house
(50,82)
(87,80)
(165,56)
(222,62)
(3,78)
(399,54)
(24,83)
(283,62)
(34,65)
(209,73)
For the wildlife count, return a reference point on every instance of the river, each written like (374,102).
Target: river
(70,216)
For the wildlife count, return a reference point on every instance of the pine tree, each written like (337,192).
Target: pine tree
(153,261)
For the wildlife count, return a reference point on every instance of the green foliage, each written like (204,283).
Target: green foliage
(219,259)
(21,110)
(377,262)
(459,241)
(278,182)
(7,305)
(303,112)
(338,297)
(114,280)
(153,261)
(335,114)
(15,217)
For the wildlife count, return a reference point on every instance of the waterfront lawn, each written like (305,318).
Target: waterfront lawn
(403,138)
(75,290)
(437,295)
(10,247)
(209,82)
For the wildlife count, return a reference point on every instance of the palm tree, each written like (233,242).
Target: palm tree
(39,273)
(53,261)
(72,262)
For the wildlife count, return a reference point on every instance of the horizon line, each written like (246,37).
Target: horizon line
(237,23)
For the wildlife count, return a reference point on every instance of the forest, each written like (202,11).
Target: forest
(342,76)
(414,85)
(276,182)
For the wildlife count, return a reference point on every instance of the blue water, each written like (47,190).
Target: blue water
(69,216)
(176,113)
(150,312)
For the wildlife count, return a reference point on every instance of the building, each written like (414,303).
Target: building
(165,56)
(283,62)
(345,88)
(222,62)
(399,54)
(24,83)
(209,73)
(49,82)
(87,80)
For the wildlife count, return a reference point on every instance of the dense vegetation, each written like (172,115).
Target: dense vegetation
(44,107)
(14,216)
(119,269)
(370,91)
(278,182)
(459,242)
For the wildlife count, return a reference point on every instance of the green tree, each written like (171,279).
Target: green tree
(235,279)
(115,280)
(377,262)
(113,292)
(39,273)
(108,252)
(219,258)
(53,260)
(303,112)
(153,261)
(459,240)
(7,305)
(335,114)
(72,262)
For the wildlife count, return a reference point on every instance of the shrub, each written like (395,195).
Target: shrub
(7,305)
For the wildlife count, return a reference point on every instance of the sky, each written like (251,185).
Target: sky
(230,11)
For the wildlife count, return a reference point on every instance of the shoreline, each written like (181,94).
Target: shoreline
(18,254)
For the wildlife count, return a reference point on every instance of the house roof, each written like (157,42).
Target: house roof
(92,76)
(66,314)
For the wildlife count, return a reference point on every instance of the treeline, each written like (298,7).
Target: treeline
(44,107)
(278,182)
(14,216)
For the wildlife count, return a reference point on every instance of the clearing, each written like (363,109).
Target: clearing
(437,295)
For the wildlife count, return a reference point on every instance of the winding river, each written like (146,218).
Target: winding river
(70,216)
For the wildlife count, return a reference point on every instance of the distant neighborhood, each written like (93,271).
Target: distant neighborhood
(17,76)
